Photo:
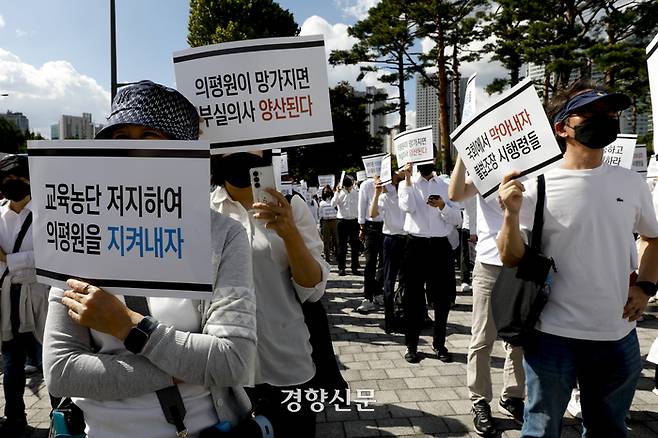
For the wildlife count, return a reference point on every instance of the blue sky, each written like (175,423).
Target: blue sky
(54,54)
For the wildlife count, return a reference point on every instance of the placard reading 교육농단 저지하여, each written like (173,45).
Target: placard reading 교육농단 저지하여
(513,134)
(258,94)
(131,217)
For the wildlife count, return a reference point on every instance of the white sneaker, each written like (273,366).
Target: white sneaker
(379,300)
(574,404)
(653,299)
(366,306)
(655,391)
(466,287)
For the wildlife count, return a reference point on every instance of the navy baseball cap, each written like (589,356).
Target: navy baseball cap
(155,106)
(578,103)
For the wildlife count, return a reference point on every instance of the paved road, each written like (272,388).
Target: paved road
(419,400)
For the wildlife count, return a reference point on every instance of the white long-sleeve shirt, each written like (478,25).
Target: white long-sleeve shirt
(389,209)
(366,195)
(346,203)
(421,219)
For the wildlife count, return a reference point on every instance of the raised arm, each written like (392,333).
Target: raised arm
(460,189)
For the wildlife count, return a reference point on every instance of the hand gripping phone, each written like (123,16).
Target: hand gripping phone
(261,178)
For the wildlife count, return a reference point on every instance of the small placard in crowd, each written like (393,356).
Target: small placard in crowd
(414,146)
(372,164)
(620,152)
(386,169)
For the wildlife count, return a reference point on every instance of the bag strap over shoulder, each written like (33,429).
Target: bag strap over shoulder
(538,224)
(19,241)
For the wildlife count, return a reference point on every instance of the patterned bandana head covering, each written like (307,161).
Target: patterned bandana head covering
(155,106)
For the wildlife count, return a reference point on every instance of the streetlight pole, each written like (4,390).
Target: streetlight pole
(113,48)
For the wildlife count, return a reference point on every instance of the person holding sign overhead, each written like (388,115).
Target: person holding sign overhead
(156,367)
(586,332)
(286,250)
(428,261)
(346,200)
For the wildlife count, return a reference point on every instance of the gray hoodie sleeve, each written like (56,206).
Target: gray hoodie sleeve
(223,355)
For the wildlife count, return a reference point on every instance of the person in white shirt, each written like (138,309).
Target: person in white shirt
(371,234)
(328,230)
(23,301)
(429,217)
(586,332)
(288,271)
(483,329)
(346,200)
(468,237)
(385,204)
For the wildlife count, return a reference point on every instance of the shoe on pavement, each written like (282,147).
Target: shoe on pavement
(379,300)
(443,354)
(573,407)
(31,369)
(411,356)
(513,407)
(655,391)
(342,273)
(482,419)
(366,306)
(466,288)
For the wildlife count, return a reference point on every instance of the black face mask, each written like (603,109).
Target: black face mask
(15,190)
(597,132)
(327,196)
(426,169)
(234,168)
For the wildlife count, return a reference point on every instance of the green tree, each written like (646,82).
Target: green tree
(217,21)
(385,41)
(447,23)
(352,140)
(11,138)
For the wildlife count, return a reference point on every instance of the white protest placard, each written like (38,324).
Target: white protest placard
(342,179)
(469,108)
(652,169)
(312,191)
(131,217)
(414,146)
(258,94)
(327,180)
(372,164)
(361,175)
(385,173)
(640,159)
(652,66)
(620,152)
(512,134)
(284,163)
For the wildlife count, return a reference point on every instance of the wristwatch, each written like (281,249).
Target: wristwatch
(647,287)
(139,335)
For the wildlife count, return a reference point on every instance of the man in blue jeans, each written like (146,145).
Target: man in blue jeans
(586,332)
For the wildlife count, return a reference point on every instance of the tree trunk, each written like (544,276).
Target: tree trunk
(403,105)
(514,75)
(446,162)
(456,92)
(547,81)
(634,115)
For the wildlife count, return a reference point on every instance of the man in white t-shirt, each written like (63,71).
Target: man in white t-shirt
(586,332)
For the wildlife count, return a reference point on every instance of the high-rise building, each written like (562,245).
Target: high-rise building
(17,119)
(54,131)
(376,121)
(74,127)
(427,107)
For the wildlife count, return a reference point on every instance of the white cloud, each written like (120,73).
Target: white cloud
(2,22)
(44,93)
(356,8)
(336,38)
(21,33)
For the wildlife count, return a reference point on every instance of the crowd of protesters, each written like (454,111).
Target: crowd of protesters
(160,366)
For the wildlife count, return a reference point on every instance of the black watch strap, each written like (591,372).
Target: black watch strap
(647,287)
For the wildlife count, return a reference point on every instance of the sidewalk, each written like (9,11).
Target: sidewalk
(419,400)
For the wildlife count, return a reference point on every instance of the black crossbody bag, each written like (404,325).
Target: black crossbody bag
(520,293)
